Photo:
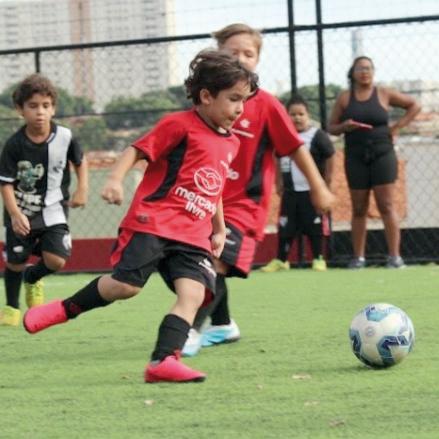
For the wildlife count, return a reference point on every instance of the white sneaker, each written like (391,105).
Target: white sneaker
(218,334)
(193,344)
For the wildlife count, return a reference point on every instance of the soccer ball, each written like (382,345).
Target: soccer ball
(381,335)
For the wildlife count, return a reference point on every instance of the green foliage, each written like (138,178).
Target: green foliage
(69,105)
(178,92)
(292,375)
(6,96)
(142,112)
(9,123)
(91,133)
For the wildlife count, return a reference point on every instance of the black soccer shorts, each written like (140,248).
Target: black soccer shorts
(54,239)
(137,255)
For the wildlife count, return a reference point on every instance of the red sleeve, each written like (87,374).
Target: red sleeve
(281,131)
(165,136)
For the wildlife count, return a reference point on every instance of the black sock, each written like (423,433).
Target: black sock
(12,286)
(284,248)
(34,273)
(221,314)
(207,310)
(84,300)
(173,332)
(316,245)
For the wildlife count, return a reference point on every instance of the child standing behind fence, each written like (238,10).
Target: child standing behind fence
(35,178)
(297,214)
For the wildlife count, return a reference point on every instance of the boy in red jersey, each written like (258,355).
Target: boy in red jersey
(175,220)
(264,128)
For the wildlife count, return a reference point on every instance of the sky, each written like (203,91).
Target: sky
(401,52)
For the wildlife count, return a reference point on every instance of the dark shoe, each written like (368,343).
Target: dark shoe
(356,263)
(395,262)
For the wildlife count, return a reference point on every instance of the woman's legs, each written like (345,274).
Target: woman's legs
(384,197)
(360,205)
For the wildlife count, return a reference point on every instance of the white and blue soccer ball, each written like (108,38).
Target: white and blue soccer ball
(381,335)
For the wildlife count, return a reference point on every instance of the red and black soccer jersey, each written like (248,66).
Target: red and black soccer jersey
(188,162)
(40,172)
(264,129)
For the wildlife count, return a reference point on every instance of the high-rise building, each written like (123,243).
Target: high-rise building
(100,73)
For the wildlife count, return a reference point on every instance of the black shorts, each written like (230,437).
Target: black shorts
(137,255)
(239,252)
(365,174)
(297,215)
(54,239)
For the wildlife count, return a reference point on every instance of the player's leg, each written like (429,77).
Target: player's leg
(54,247)
(358,176)
(287,231)
(16,252)
(312,226)
(189,273)
(236,260)
(384,174)
(10,314)
(132,266)
(98,293)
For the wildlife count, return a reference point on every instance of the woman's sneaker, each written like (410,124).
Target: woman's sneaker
(218,334)
(356,263)
(395,262)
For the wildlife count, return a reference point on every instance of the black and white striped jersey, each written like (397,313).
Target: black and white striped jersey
(40,173)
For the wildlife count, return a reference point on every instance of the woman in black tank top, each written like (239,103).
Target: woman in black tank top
(362,115)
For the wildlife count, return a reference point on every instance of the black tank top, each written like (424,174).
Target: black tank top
(372,142)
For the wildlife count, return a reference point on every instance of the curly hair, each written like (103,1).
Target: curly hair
(216,70)
(32,84)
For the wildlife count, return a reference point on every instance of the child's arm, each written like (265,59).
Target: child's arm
(79,197)
(321,197)
(20,222)
(329,170)
(113,189)
(219,231)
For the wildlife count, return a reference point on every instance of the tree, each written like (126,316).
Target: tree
(142,112)
(9,123)
(67,105)
(91,133)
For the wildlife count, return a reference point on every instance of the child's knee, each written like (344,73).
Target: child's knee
(128,291)
(53,262)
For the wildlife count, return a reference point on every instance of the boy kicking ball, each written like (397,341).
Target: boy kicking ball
(175,221)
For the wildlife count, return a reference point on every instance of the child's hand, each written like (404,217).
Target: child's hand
(351,125)
(79,199)
(112,192)
(20,224)
(323,200)
(218,240)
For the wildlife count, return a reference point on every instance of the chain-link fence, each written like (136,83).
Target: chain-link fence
(113,91)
